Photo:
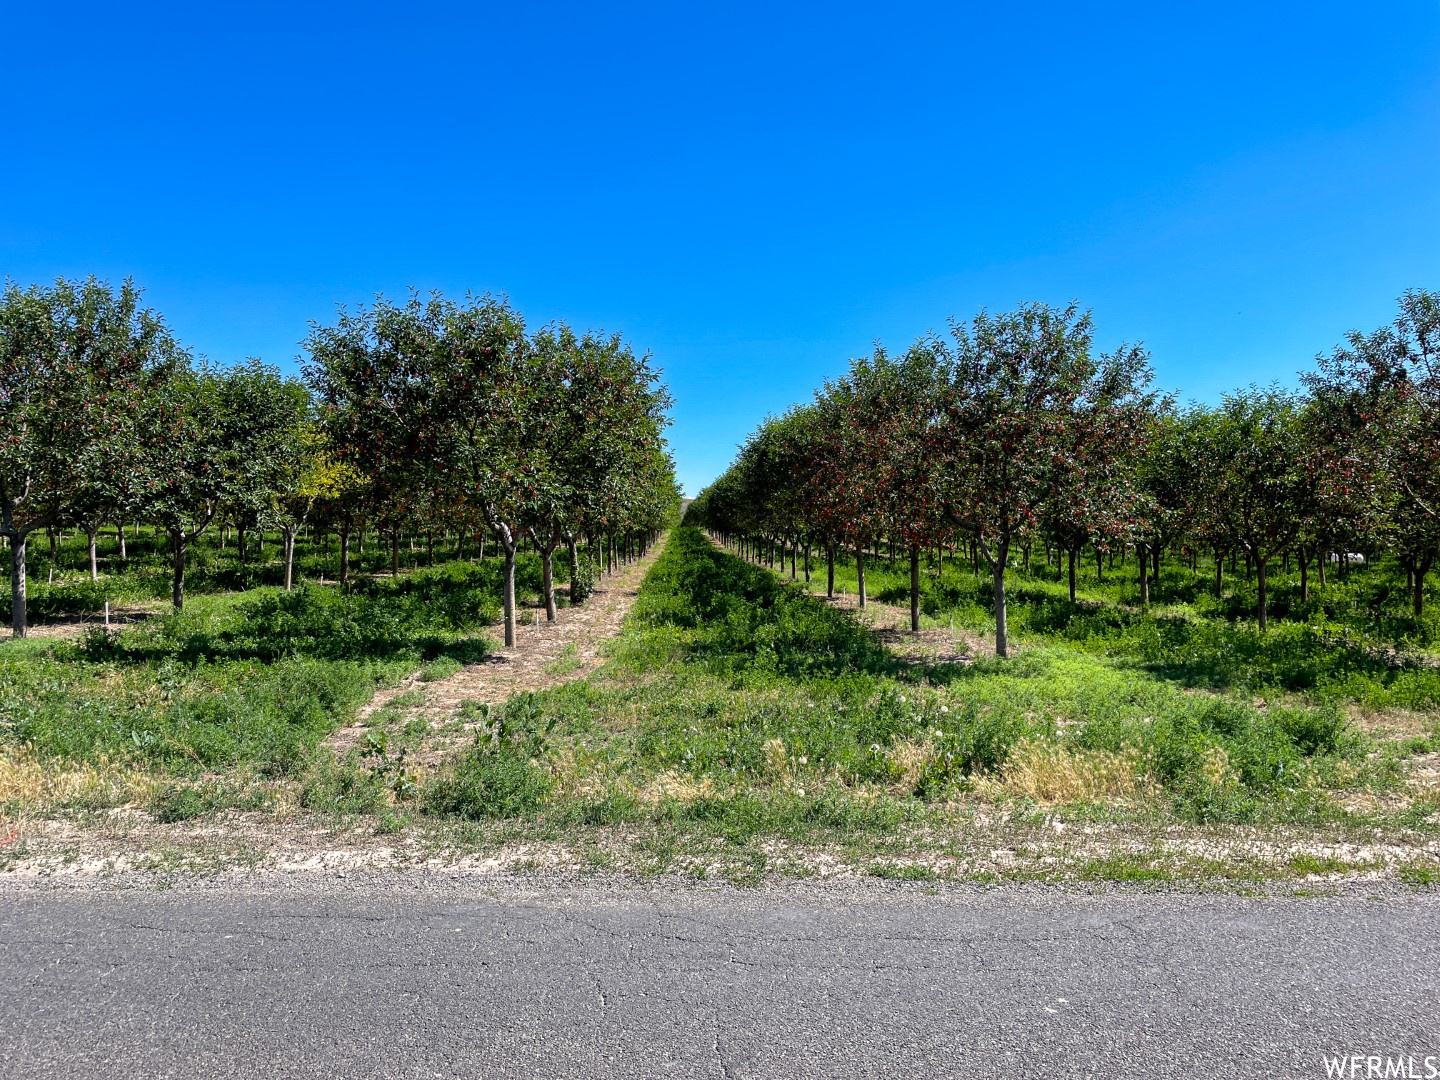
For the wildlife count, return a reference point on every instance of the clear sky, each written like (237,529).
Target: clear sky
(755,193)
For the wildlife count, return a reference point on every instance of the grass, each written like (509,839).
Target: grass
(741,681)
(238,682)
(568,661)
(1354,640)
(743,727)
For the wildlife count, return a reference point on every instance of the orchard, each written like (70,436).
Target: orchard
(421,418)
(1013,433)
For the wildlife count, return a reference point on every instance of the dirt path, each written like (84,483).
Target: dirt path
(545,655)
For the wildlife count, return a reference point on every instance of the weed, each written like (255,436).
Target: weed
(180,802)
(440,668)
(390,822)
(1419,874)
(1306,863)
(390,771)
(567,662)
(500,776)
(342,788)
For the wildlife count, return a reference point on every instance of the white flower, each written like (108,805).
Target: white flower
(802,759)
(902,699)
(800,791)
(944,708)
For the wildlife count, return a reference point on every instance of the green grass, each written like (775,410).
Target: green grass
(740,704)
(251,679)
(1355,640)
(740,721)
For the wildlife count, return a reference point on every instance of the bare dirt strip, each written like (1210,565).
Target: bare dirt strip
(68,626)
(545,655)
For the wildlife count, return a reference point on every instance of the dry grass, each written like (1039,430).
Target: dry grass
(676,787)
(1392,722)
(909,759)
(31,785)
(1051,774)
(777,761)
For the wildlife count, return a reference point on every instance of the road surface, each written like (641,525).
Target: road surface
(407,977)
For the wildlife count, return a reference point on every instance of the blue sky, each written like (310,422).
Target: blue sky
(755,193)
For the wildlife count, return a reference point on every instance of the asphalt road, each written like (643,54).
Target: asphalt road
(406,978)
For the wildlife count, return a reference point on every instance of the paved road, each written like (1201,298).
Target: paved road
(395,977)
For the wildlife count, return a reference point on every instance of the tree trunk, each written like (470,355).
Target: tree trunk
(1262,602)
(344,552)
(54,544)
(287,535)
(574,563)
(794,549)
(1072,575)
(507,590)
(177,588)
(90,535)
(1320,566)
(120,535)
(509,596)
(829,571)
(1142,559)
(19,542)
(997,587)
(547,586)
(806,562)
(860,574)
(1099,565)
(1304,557)
(915,588)
(240,544)
(394,552)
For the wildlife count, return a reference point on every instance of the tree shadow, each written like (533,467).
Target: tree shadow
(312,623)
